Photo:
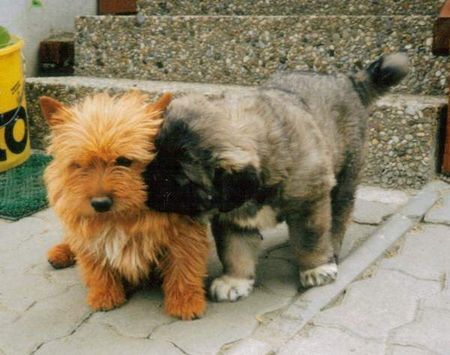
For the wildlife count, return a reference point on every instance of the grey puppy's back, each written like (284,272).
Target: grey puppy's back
(297,126)
(338,103)
(369,83)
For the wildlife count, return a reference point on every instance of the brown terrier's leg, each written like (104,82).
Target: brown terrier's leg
(184,270)
(105,286)
(61,256)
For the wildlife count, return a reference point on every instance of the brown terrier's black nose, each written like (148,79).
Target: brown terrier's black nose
(101,204)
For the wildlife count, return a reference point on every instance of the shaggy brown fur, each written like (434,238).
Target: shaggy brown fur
(100,149)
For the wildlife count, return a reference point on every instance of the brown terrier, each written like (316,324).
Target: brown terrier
(100,149)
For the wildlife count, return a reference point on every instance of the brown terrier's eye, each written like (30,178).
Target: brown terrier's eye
(122,161)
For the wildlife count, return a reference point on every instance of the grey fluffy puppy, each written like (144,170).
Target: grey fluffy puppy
(291,150)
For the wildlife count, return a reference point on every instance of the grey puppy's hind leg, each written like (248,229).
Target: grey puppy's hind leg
(309,224)
(342,200)
(237,249)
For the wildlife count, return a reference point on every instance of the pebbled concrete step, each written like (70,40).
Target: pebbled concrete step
(403,129)
(290,7)
(245,50)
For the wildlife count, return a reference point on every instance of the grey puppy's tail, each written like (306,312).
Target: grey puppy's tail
(379,76)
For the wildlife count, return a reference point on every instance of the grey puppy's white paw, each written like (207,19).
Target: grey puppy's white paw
(230,289)
(318,276)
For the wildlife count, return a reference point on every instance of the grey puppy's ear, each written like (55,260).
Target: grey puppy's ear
(236,187)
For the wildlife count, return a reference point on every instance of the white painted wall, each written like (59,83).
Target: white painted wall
(35,24)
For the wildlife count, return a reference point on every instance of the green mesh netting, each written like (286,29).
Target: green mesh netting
(22,190)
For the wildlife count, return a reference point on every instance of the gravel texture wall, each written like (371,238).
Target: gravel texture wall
(246,50)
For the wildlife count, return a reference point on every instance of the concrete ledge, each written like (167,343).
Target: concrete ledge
(71,89)
(402,128)
(424,200)
(403,141)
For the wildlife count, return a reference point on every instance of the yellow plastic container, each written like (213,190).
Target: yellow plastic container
(14,135)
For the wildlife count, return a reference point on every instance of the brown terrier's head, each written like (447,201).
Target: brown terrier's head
(100,149)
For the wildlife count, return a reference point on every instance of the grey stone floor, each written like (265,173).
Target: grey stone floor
(401,306)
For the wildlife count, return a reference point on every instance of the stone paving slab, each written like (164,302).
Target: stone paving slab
(373,317)
(45,320)
(439,300)
(247,347)
(408,350)
(439,212)
(430,332)
(279,327)
(43,310)
(421,203)
(371,212)
(386,196)
(374,205)
(330,340)
(402,307)
(424,254)
(103,340)
(223,323)
(356,234)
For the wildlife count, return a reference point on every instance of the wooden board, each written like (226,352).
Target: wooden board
(116,7)
(56,55)
(441,31)
(441,46)
(445,168)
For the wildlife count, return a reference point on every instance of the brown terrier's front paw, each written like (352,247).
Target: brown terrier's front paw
(105,300)
(186,306)
(61,256)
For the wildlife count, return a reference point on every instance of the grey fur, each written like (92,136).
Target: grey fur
(305,135)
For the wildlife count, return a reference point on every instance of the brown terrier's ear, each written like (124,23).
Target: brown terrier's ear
(49,107)
(162,103)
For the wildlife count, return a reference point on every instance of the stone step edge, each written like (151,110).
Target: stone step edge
(72,89)
(270,336)
(152,7)
(149,86)
(178,88)
(140,17)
